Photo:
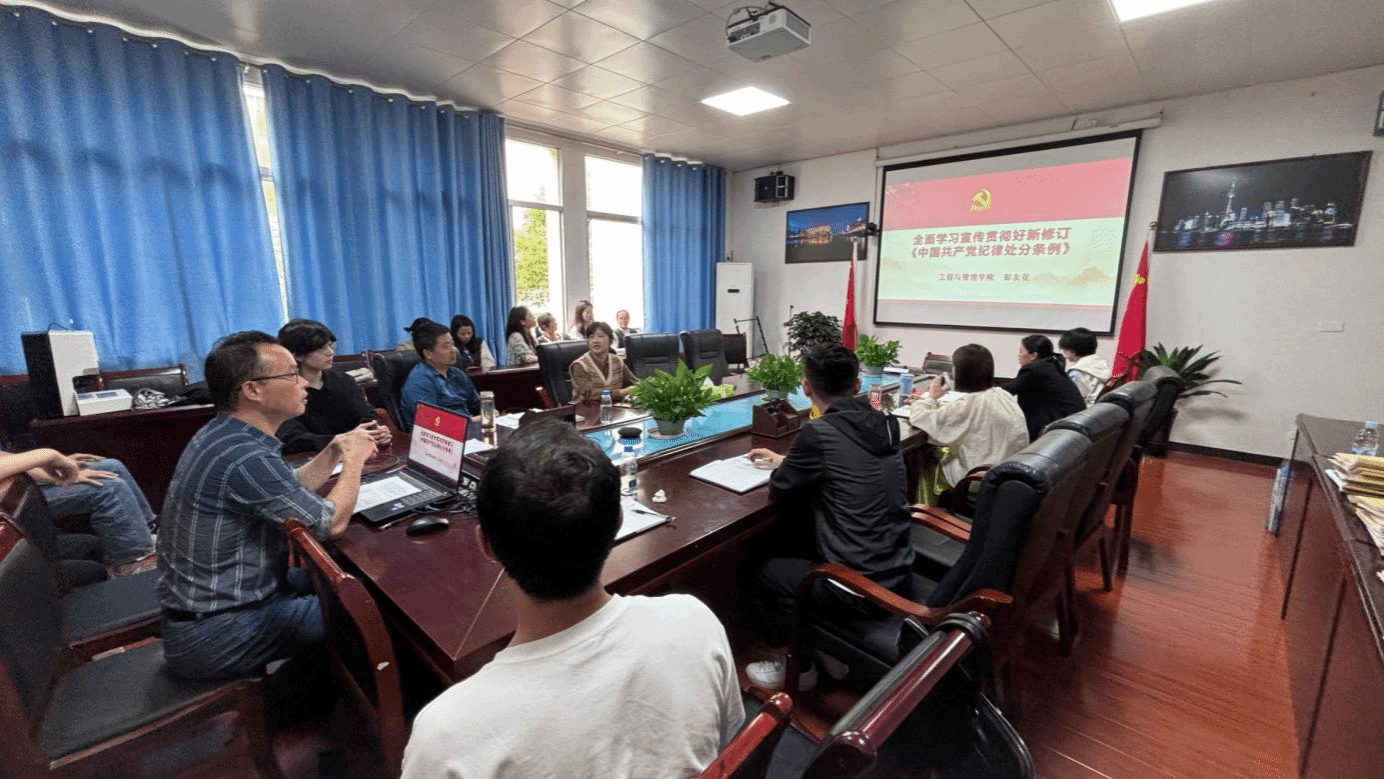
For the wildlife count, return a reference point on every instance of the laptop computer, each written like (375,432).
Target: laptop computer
(437,447)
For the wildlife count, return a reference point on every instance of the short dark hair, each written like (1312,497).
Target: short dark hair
(546,319)
(973,368)
(425,334)
(1039,345)
(602,326)
(305,336)
(1078,341)
(232,361)
(549,504)
(831,370)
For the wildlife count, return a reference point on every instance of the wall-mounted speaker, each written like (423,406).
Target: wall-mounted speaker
(773,188)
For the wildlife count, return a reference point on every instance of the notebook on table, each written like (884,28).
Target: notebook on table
(736,474)
(436,449)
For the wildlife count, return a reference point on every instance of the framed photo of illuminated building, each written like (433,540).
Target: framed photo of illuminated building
(1296,203)
(825,234)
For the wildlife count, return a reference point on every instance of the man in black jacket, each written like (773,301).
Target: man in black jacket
(846,470)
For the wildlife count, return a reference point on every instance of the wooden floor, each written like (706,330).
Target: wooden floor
(1180,671)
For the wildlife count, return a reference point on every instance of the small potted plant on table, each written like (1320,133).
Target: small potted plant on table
(673,398)
(776,417)
(875,355)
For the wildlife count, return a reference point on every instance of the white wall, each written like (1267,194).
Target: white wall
(1259,308)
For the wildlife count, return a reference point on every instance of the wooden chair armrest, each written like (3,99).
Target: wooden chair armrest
(759,735)
(942,521)
(858,584)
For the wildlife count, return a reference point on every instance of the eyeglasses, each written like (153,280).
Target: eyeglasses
(291,376)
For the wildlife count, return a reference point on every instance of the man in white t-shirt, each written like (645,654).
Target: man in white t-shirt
(591,684)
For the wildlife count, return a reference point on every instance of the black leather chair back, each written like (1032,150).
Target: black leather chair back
(736,351)
(706,346)
(171,381)
(1107,427)
(554,363)
(1168,385)
(30,623)
(649,352)
(1021,512)
(391,369)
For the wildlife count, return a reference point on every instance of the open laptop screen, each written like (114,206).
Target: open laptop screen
(438,443)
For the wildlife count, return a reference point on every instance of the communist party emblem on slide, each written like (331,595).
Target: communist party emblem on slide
(980,201)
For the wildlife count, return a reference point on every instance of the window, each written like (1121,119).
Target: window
(257,111)
(615,243)
(532,175)
(574,212)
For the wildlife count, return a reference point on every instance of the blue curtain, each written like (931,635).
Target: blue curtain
(130,200)
(390,210)
(684,237)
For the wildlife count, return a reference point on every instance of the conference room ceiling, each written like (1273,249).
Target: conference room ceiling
(632,73)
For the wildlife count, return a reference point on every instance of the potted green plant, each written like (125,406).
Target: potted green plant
(1197,371)
(673,398)
(778,375)
(875,355)
(806,329)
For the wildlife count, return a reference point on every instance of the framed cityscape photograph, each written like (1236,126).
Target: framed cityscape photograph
(825,234)
(1301,202)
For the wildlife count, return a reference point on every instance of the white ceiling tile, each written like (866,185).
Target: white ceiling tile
(959,45)
(581,37)
(597,81)
(652,100)
(1317,38)
(1058,23)
(701,40)
(855,7)
(515,19)
(1089,46)
(912,85)
(653,125)
(550,117)
(641,18)
(415,66)
(612,113)
(907,20)
(486,86)
(555,97)
(697,83)
(989,9)
(982,70)
(647,62)
(533,61)
(625,135)
(1017,99)
(453,35)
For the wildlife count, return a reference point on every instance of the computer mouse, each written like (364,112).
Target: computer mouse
(427,525)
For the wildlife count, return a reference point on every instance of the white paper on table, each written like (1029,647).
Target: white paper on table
(509,420)
(390,488)
(737,474)
(638,518)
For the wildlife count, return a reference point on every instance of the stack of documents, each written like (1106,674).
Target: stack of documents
(1361,475)
(1362,480)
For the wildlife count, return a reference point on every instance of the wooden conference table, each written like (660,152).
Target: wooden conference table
(457,608)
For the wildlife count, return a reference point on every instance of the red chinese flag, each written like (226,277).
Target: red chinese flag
(1134,325)
(848,326)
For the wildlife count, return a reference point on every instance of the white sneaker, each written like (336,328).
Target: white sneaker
(834,668)
(769,674)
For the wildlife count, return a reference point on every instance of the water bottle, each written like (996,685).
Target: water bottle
(876,397)
(905,386)
(487,413)
(607,410)
(1366,441)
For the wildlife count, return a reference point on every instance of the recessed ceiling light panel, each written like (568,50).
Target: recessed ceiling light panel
(1137,9)
(746,100)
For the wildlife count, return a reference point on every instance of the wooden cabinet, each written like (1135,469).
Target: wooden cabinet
(1331,607)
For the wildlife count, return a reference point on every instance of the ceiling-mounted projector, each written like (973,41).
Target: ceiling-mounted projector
(768,32)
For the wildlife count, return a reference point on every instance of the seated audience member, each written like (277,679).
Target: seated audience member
(519,343)
(982,427)
(622,328)
(600,368)
(547,329)
(471,346)
(582,317)
(1043,390)
(103,489)
(591,684)
(335,404)
(435,378)
(1086,369)
(846,466)
(229,607)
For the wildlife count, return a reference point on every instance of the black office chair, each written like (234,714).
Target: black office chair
(705,346)
(1157,391)
(554,361)
(736,351)
(928,717)
(649,352)
(937,364)
(391,369)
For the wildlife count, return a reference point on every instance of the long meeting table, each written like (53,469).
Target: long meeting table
(455,607)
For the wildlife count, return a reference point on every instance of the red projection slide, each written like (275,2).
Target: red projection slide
(1027,240)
